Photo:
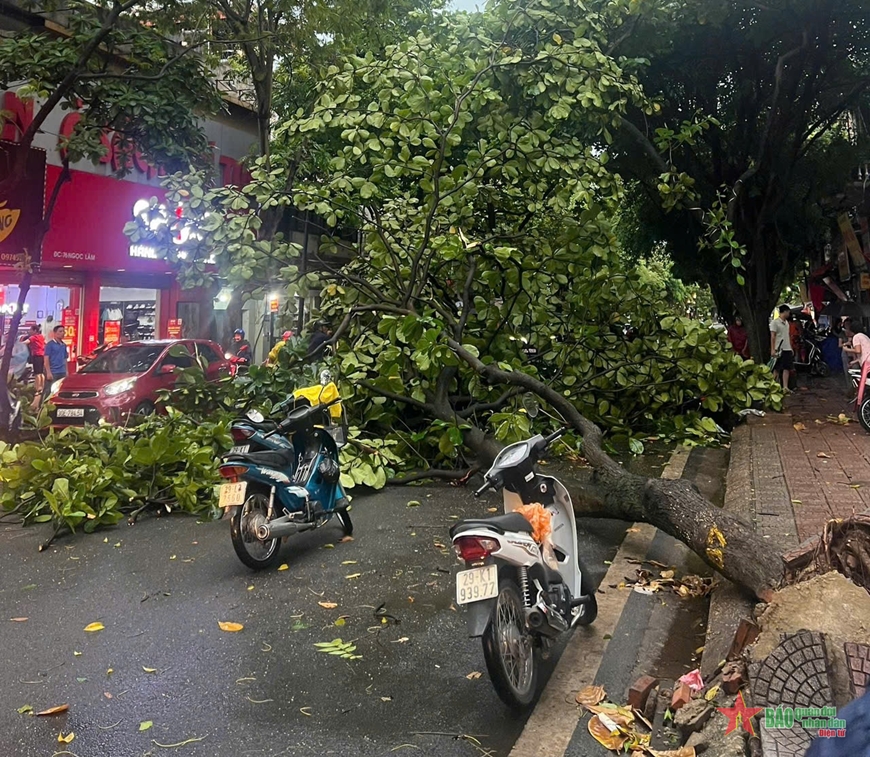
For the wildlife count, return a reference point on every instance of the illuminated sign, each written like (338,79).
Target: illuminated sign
(11,308)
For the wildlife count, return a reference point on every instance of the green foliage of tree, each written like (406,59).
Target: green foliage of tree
(755,129)
(84,478)
(470,158)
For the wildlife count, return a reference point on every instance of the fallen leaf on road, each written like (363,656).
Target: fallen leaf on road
(402,640)
(345,539)
(386,699)
(328,546)
(328,605)
(107,695)
(473,676)
(685,751)
(179,744)
(304,711)
(348,562)
(172,557)
(823,454)
(65,739)
(90,628)
(230,627)
(354,575)
(590,695)
(492,509)
(283,566)
(341,621)
(632,530)
(606,732)
(25,710)
(54,710)
(711,693)
(18,620)
(851,486)
(149,670)
(819,421)
(413,503)
(799,427)
(110,671)
(77,654)
(145,725)
(251,587)
(666,574)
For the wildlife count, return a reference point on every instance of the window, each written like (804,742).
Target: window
(206,351)
(178,356)
(125,359)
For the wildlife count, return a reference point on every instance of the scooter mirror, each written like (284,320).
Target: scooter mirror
(255,415)
(530,405)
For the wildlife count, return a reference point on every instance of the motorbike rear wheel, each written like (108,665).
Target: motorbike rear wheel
(256,554)
(508,649)
(820,368)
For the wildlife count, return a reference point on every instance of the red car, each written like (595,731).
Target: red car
(125,379)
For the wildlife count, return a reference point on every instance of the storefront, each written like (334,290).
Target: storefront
(89,278)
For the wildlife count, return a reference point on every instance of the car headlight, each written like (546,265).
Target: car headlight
(119,387)
(55,387)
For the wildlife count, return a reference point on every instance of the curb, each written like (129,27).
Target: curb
(729,604)
(552,723)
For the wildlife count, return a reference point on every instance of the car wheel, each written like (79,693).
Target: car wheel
(144,408)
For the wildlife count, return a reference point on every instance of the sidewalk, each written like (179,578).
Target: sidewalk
(805,468)
(790,473)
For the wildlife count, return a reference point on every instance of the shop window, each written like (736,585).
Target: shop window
(188,314)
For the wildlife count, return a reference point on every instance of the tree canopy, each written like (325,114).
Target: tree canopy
(755,126)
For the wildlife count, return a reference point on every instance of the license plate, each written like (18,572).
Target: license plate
(242,449)
(70,412)
(233,494)
(476,584)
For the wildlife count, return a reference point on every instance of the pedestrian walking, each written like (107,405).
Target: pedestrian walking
(36,342)
(781,353)
(739,338)
(56,357)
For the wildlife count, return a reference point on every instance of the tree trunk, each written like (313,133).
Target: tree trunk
(5,405)
(724,541)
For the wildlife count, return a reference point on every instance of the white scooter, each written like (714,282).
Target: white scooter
(520,597)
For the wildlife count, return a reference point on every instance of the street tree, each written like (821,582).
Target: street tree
(469,159)
(752,132)
(107,63)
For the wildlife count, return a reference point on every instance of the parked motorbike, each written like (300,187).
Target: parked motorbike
(521,596)
(276,493)
(810,357)
(864,409)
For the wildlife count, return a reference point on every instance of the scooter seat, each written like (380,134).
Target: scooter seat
(267,458)
(497,523)
(261,426)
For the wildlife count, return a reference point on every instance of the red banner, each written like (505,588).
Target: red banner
(111,332)
(174,328)
(71,331)
(21,208)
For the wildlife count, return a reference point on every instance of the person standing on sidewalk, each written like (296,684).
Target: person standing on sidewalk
(780,346)
(56,357)
(36,342)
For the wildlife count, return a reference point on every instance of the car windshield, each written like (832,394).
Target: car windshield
(132,359)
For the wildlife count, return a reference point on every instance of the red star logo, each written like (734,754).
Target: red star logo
(739,715)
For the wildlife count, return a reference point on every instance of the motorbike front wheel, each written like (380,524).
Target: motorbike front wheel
(509,651)
(820,368)
(256,554)
(864,415)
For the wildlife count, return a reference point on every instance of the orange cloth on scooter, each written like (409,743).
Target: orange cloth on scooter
(540,518)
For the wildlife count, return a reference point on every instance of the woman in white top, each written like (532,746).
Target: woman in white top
(861,350)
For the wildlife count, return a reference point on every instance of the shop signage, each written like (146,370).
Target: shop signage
(111,332)
(174,328)
(21,207)
(273,304)
(11,308)
(851,240)
(71,331)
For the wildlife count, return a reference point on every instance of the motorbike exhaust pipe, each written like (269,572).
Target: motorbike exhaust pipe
(545,620)
(281,527)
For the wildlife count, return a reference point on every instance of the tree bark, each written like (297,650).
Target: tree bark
(727,543)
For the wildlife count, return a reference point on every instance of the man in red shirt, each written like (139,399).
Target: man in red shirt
(36,342)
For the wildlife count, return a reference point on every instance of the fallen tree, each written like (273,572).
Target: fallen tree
(472,162)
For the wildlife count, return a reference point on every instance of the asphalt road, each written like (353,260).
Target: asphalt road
(161,587)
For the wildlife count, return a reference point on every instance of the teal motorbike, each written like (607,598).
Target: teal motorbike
(273,494)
